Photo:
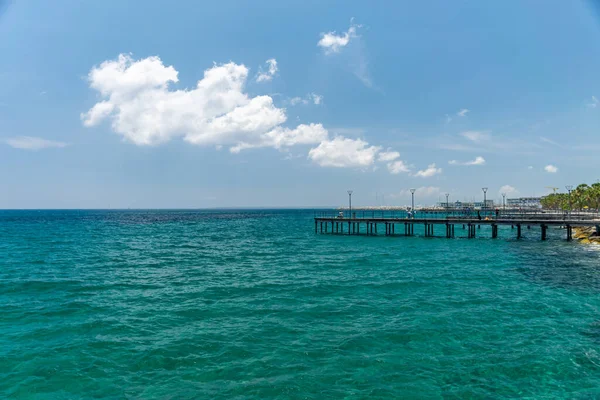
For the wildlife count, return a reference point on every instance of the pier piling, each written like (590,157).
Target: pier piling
(544,228)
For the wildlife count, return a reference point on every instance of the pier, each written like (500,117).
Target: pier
(388,224)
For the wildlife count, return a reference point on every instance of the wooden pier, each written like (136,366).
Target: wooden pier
(393,226)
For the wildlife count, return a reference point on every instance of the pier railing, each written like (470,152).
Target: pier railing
(454,213)
(367,221)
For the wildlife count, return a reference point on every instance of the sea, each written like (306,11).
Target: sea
(252,304)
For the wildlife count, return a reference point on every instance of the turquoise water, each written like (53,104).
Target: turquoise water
(253,304)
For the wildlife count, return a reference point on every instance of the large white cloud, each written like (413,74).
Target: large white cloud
(137,99)
(284,137)
(343,152)
(551,169)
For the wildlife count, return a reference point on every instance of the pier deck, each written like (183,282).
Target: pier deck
(369,225)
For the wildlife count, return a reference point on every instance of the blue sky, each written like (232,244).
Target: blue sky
(101,105)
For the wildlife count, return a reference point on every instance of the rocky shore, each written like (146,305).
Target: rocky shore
(586,234)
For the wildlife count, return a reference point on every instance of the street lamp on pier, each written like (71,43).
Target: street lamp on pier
(504,201)
(484,199)
(350,203)
(412,192)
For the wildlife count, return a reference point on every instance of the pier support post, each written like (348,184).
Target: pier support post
(426,230)
(544,228)
(494,231)
(375,225)
(518,231)
(316,224)
(321,226)
(569,233)
(452,230)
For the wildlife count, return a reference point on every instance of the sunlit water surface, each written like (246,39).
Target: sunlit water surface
(253,304)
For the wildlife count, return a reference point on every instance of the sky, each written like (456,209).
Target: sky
(155,104)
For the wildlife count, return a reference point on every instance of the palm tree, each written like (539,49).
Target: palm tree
(581,196)
(595,195)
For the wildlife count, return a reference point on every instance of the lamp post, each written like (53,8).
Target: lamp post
(504,201)
(447,204)
(350,203)
(569,189)
(484,199)
(412,192)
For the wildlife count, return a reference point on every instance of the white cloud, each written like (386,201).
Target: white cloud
(314,98)
(463,112)
(551,169)
(217,111)
(508,190)
(477,161)
(331,42)
(97,113)
(297,100)
(430,171)
(388,155)
(284,137)
(33,143)
(530,167)
(448,119)
(476,136)
(594,102)
(344,152)
(397,167)
(355,56)
(265,76)
(394,165)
